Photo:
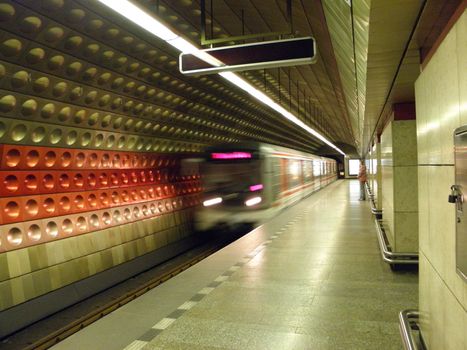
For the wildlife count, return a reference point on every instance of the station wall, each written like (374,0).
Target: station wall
(441,100)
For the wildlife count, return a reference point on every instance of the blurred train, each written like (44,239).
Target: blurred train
(248,183)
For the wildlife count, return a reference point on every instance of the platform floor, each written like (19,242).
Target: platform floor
(312,278)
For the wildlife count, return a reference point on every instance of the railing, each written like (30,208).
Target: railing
(375,211)
(386,252)
(408,324)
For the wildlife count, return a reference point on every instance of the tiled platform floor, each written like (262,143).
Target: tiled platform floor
(312,278)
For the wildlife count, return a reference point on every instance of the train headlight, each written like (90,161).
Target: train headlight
(253,201)
(212,201)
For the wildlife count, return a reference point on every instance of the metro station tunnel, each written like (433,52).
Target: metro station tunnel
(222,174)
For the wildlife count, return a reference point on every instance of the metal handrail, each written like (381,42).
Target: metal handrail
(371,196)
(390,256)
(408,321)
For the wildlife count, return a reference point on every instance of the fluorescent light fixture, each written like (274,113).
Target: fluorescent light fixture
(212,201)
(141,18)
(254,188)
(253,201)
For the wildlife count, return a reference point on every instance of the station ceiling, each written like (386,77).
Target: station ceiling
(369,55)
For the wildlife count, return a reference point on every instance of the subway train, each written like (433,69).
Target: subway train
(248,183)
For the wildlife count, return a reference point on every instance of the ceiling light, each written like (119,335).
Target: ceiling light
(146,21)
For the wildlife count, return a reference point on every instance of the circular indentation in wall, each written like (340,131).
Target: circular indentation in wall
(98,140)
(71,137)
(54,34)
(104,78)
(89,74)
(65,159)
(20,79)
(115,197)
(15,236)
(92,180)
(121,142)
(94,25)
(104,198)
(81,223)
(103,179)
(110,141)
(12,210)
(73,42)
(105,160)
(35,55)
(7,103)
(79,117)
(31,182)
(127,214)
(94,220)
(86,139)
(29,107)
(38,134)
(65,203)
(93,118)
(116,161)
(79,202)
(117,216)
(64,181)
(50,159)
(67,226)
(48,111)
(136,212)
(41,84)
(48,181)
(93,160)
(18,133)
(92,200)
(7,12)
(80,158)
(106,218)
(64,114)
(76,93)
(91,49)
(34,232)
(30,24)
(32,158)
(75,15)
(52,5)
(125,196)
(60,89)
(11,47)
(78,180)
(74,68)
(104,100)
(32,208)
(114,179)
(11,183)
(55,136)
(124,178)
(56,62)
(51,229)
(153,208)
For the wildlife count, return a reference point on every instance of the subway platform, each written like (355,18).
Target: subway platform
(312,278)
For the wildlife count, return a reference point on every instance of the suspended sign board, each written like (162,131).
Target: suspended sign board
(268,54)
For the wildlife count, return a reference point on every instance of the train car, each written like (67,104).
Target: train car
(247,183)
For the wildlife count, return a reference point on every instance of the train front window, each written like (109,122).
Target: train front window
(231,177)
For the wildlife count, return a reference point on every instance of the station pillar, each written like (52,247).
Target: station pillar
(399,178)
